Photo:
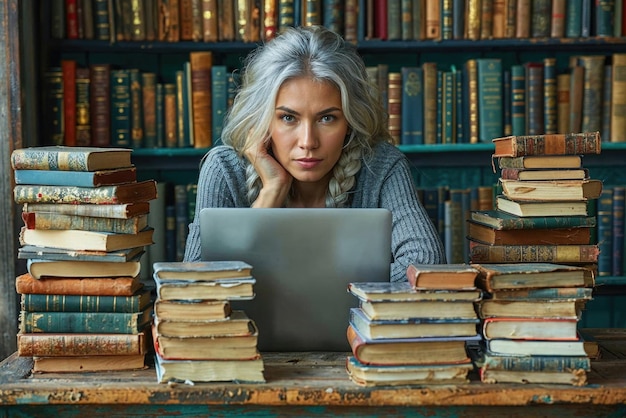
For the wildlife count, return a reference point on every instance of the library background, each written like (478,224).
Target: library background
(453,76)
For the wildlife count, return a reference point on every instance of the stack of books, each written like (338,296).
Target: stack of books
(537,259)
(414,332)
(83,306)
(198,337)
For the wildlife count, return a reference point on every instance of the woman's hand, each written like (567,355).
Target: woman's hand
(276,180)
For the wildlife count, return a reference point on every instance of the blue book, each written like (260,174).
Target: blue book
(120,109)
(618,231)
(490,124)
(518,100)
(219,101)
(461,135)
(604,216)
(76,178)
(160,116)
(573,18)
(412,106)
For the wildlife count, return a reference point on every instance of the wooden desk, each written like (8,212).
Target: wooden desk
(308,384)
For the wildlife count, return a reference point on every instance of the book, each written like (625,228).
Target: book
(444,374)
(104,286)
(70,158)
(142,191)
(580,254)
(201,270)
(498,219)
(441,276)
(74,178)
(551,190)
(60,254)
(85,322)
(536,363)
(83,124)
(489,235)
(406,351)
(505,346)
(541,161)
(548,144)
(68,68)
(118,211)
(618,100)
(209,370)
(192,310)
(55,221)
(400,310)
(121,108)
(94,344)
(74,239)
(223,289)
(412,106)
(32,302)
(542,208)
(236,324)
(201,63)
(493,277)
(88,363)
(411,328)
(576,377)
(552,309)
(530,328)
(489,71)
(523,174)
(42,268)
(581,293)
(404,291)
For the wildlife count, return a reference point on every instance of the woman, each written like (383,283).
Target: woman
(307,129)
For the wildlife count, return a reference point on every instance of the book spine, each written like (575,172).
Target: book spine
(607,93)
(68,67)
(549,96)
(219,101)
(510,17)
(226,20)
(563,101)
(286,14)
(573,18)
(429,70)
(79,303)
(604,14)
(576,98)
(100,96)
(173,28)
(618,230)
(65,194)
(201,63)
(489,71)
(270,20)
(518,100)
(148,94)
(209,21)
(458,19)
(121,109)
(537,363)
(544,293)
(351,21)
(486,19)
(557,23)
(53,106)
(471,77)
(186,20)
(535,124)
(333,15)
(448,123)
(618,99)
(557,144)
(79,322)
(138,25)
(99,211)
(57,19)
(55,221)
(170,116)
(507,124)
(604,215)
(472,30)
(541,17)
(523,20)
(406,20)
(160,116)
(592,92)
(394,106)
(433,19)
(480,253)
(446,19)
(83,123)
(71,19)
(412,106)
(151,20)
(136,109)
(44,344)
(499,19)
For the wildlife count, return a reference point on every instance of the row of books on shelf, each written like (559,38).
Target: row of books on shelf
(482,99)
(356,20)
(104,105)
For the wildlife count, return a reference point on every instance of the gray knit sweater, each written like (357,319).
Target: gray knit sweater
(384,181)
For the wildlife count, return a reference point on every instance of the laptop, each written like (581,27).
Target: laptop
(302,260)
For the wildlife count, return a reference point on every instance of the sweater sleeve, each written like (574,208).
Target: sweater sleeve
(218,186)
(414,238)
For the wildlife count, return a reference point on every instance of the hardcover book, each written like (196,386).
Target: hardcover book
(193,310)
(554,236)
(74,239)
(548,144)
(237,324)
(104,286)
(70,158)
(444,374)
(200,270)
(566,190)
(412,328)
(530,328)
(59,254)
(494,277)
(441,276)
(407,351)
(73,178)
(92,344)
(545,309)
(500,220)
(541,161)
(88,363)
(42,268)
(222,289)
(537,363)
(32,302)
(522,174)
(543,208)
(505,346)
(56,221)
(571,377)
(551,293)
(201,63)
(142,191)
(118,211)
(403,291)
(209,370)
(85,322)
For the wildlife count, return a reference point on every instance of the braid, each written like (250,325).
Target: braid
(344,174)
(253,183)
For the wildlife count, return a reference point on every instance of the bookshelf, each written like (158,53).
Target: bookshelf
(454,165)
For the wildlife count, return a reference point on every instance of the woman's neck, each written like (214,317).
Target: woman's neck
(308,195)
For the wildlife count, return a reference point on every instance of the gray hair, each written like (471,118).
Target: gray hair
(322,54)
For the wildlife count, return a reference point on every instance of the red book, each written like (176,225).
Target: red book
(71,19)
(380,19)
(100,105)
(68,68)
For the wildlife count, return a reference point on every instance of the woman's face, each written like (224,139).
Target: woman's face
(308,129)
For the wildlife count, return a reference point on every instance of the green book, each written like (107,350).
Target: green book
(490,123)
(31,302)
(136,109)
(85,322)
(448,114)
(120,108)
(549,96)
(605,17)
(53,106)
(219,101)
(498,219)
(412,106)
(592,91)
(540,18)
(573,18)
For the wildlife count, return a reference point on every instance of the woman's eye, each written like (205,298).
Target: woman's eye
(287,118)
(327,118)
